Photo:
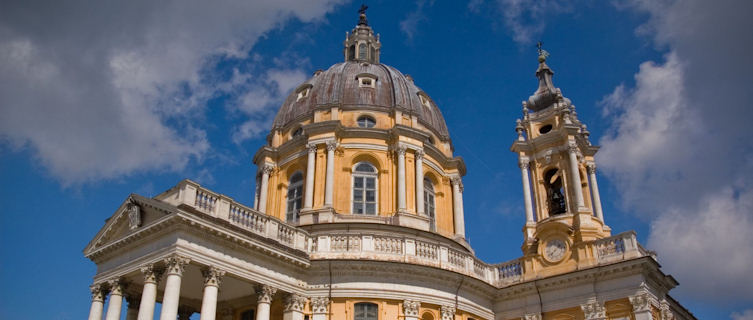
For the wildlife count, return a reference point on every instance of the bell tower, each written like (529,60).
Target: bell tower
(556,160)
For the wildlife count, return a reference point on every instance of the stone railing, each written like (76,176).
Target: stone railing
(374,246)
(220,206)
(619,247)
(509,272)
(379,246)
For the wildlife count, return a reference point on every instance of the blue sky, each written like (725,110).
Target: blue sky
(107,99)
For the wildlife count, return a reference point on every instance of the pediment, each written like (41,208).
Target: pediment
(134,213)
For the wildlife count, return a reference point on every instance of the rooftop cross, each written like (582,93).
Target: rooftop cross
(362,15)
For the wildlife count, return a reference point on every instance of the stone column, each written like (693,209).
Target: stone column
(132,311)
(595,191)
(594,310)
(98,302)
(212,278)
(308,202)
(330,180)
(410,309)
(294,305)
(641,306)
(457,195)
(523,164)
(447,313)
(149,293)
(116,299)
(575,177)
(319,308)
(400,151)
(420,182)
(264,294)
(266,171)
(171,297)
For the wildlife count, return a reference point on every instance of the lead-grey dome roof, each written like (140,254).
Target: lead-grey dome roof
(338,86)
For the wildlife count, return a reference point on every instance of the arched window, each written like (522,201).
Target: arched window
(554,193)
(429,205)
(295,194)
(352,52)
(365,311)
(366,122)
(364,189)
(362,51)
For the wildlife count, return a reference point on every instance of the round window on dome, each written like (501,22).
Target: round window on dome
(297,132)
(366,122)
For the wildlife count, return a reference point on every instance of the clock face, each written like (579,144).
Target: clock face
(555,250)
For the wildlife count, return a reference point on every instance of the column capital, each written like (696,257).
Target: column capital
(267,168)
(331,145)
(99,293)
(319,305)
(410,308)
(294,302)
(265,293)
(212,276)
(175,264)
(117,286)
(457,181)
(572,147)
(532,316)
(419,155)
(311,147)
(400,149)
(523,163)
(591,166)
(641,301)
(594,310)
(666,311)
(447,312)
(151,273)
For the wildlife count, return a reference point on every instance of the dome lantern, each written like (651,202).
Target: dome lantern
(361,44)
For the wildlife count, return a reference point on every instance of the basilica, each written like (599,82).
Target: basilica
(358,215)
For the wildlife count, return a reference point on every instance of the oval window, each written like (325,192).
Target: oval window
(545,129)
(298,132)
(366,122)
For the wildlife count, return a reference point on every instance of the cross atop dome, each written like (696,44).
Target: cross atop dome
(361,44)
(362,15)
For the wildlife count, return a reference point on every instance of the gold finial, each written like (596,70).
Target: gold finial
(543,54)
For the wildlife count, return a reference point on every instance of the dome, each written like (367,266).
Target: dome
(340,86)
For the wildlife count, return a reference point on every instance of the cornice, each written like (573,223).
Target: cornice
(641,265)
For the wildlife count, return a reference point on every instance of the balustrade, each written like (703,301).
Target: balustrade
(388,245)
(371,246)
(205,200)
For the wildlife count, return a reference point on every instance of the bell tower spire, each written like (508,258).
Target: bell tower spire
(361,44)
(556,159)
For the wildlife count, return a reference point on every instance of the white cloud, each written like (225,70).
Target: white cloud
(526,19)
(261,100)
(409,25)
(680,152)
(104,89)
(746,315)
